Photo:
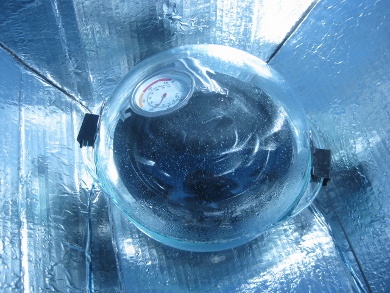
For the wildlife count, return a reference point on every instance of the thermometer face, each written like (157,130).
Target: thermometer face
(162,93)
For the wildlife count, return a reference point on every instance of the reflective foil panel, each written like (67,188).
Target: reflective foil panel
(85,47)
(60,58)
(338,62)
(51,223)
(298,256)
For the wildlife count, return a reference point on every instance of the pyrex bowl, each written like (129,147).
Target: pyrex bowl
(204,147)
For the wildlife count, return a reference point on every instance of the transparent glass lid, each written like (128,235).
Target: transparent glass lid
(204,148)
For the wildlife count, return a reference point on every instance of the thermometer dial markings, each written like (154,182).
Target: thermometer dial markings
(140,103)
(162,93)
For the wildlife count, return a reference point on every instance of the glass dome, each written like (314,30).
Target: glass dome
(204,148)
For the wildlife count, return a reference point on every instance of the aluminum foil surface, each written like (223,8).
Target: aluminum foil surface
(338,62)
(86,47)
(48,209)
(299,256)
(60,59)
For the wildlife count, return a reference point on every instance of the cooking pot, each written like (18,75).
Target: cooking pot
(204,147)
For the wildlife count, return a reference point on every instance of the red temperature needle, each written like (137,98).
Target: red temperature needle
(162,99)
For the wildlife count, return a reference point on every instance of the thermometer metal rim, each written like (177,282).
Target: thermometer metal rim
(176,78)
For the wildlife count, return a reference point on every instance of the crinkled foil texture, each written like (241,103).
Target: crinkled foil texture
(60,58)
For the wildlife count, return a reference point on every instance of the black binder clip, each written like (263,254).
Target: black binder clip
(321,164)
(88,130)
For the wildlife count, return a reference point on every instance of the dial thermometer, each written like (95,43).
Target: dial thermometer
(162,93)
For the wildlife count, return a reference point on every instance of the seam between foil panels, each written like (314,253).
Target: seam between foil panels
(118,260)
(88,246)
(293,29)
(22,197)
(43,77)
(321,217)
